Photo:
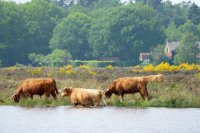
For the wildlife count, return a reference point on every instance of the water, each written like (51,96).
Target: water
(68,119)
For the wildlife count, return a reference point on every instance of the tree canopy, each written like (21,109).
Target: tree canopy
(92,29)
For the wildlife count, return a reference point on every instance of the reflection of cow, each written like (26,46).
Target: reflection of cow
(35,86)
(82,96)
(158,78)
(127,85)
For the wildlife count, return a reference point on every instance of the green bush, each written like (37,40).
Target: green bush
(97,63)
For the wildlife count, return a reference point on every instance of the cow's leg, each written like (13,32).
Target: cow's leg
(121,96)
(31,96)
(103,101)
(47,95)
(144,95)
(54,95)
(96,103)
(75,104)
(26,95)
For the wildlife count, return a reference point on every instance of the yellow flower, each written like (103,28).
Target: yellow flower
(49,74)
(163,67)
(36,71)
(198,75)
(149,68)
(12,68)
(187,67)
(174,68)
(109,67)
(70,71)
(69,67)
(84,67)
(91,72)
(62,70)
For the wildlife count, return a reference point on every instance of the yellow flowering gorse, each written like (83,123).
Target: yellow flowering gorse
(84,67)
(164,66)
(36,71)
(67,70)
(109,67)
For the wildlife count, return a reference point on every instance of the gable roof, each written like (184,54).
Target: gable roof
(199,44)
(144,56)
(173,45)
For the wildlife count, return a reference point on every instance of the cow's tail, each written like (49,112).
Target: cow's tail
(55,87)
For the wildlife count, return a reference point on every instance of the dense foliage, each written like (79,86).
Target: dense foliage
(49,32)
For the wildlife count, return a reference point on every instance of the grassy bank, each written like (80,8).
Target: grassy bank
(179,89)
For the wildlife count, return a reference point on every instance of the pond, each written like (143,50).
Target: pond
(63,119)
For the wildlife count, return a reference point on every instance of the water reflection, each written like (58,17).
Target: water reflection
(97,120)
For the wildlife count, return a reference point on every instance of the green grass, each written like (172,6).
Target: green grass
(179,90)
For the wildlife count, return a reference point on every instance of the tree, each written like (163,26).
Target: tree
(40,18)
(56,58)
(193,14)
(155,4)
(97,4)
(72,34)
(173,34)
(176,13)
(125,32)
(26,28)
(180,11)
(188,49)
(158,54)
(11,31)
(63,3)
(189,27)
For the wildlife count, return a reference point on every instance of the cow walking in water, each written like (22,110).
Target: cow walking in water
(82,96)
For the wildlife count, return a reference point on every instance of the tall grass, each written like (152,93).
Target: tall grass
(179,89)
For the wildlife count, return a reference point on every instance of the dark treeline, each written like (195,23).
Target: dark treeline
(46,32)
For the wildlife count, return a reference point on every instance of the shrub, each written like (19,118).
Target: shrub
(36,71)
(70,71)
(163,67)
(12,68)
(149,68)
(84,67)
(174,68)
(109,67)
(97,63)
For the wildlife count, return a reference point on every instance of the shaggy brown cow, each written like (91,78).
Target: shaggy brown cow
(127,85)
(151,78)
(82,96)
(35,86)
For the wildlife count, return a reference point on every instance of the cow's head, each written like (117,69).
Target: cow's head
(108,93)
(15,97)
(157,78)
(66,91)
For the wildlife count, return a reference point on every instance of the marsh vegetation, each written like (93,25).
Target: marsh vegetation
(179,89)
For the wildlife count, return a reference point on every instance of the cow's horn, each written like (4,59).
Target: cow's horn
(12,97)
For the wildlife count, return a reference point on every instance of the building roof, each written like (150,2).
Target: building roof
(199,44)
(198,56)
(172,45)
(144,56)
